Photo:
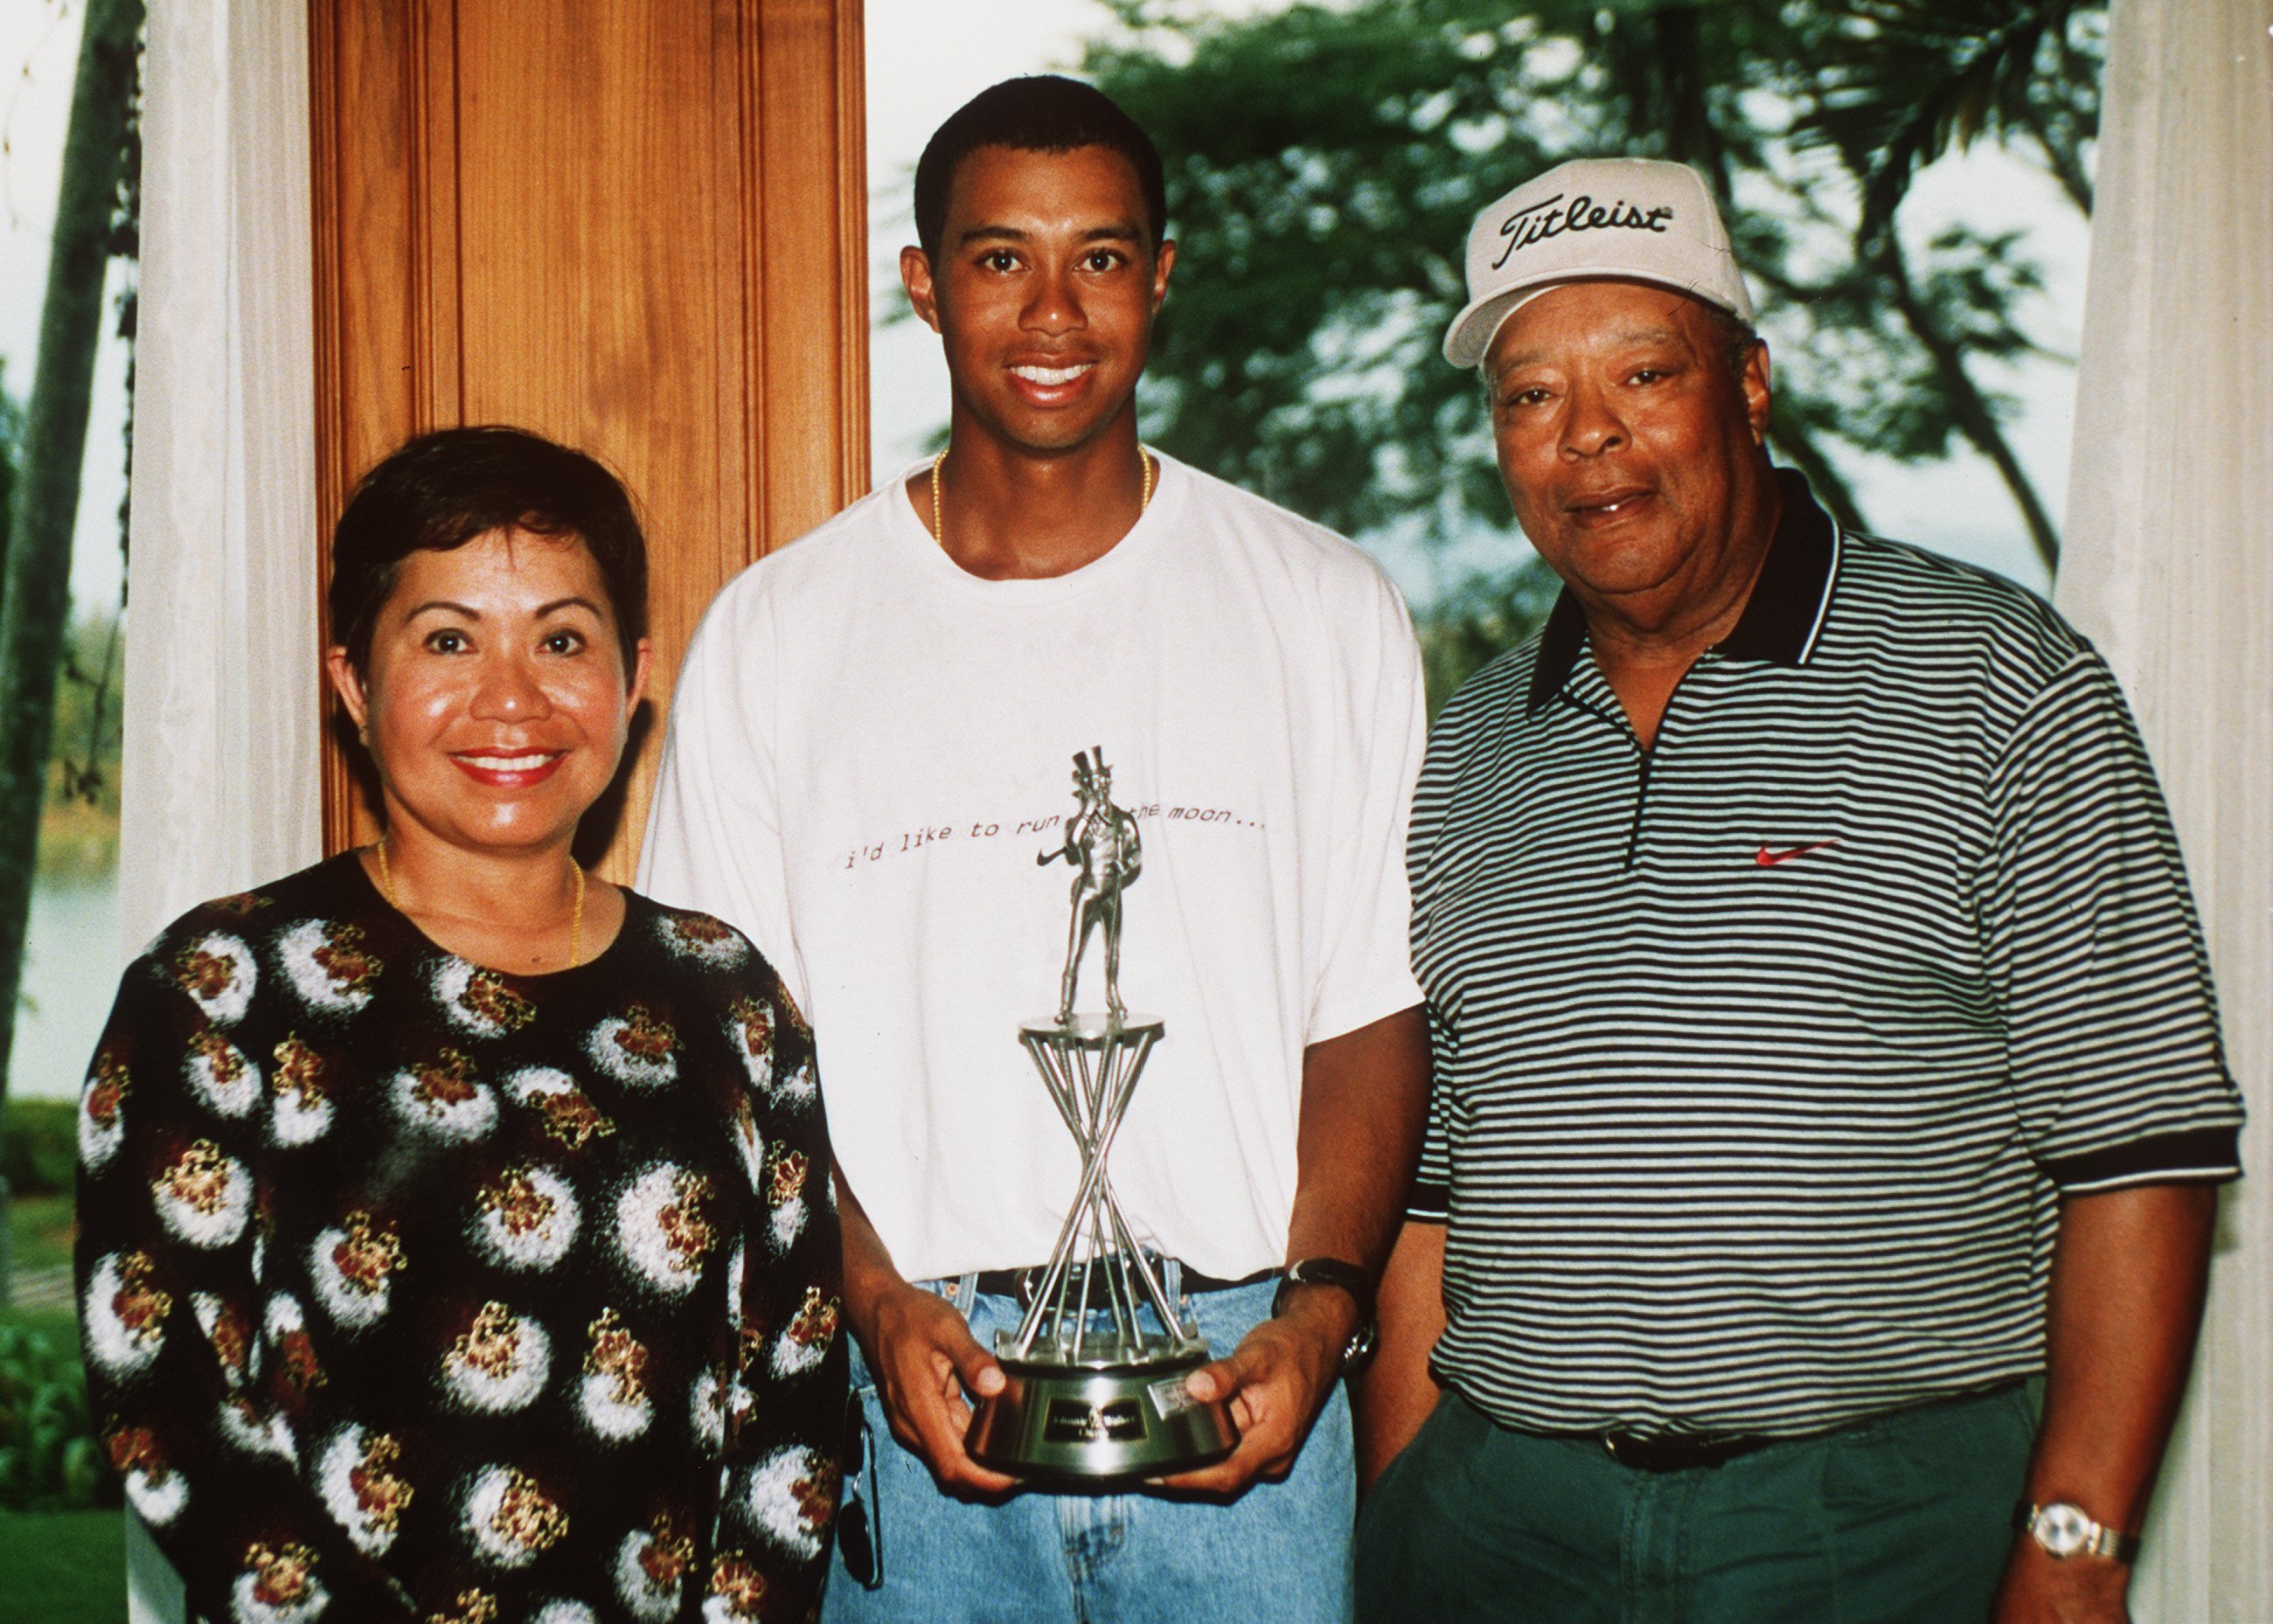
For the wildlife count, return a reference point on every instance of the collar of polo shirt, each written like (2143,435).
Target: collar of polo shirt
(1782,619)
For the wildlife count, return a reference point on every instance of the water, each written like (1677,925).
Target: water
(70,974)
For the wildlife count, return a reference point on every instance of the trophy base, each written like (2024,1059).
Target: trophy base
(1093,1426)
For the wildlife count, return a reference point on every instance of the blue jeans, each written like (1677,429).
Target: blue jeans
(1281,1552)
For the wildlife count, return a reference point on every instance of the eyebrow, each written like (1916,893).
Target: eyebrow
(1624,336)
(1118,231)
(554,607)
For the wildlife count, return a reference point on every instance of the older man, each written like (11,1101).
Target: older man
(1829,1096)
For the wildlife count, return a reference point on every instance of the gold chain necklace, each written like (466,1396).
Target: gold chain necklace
(939,523)
(576,918)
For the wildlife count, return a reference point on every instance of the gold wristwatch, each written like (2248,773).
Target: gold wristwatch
(2065,1530)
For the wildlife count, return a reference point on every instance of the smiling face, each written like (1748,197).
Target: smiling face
(1632,453)
(1044,294)
(495,702)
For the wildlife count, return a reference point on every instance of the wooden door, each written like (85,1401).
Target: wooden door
(637,226)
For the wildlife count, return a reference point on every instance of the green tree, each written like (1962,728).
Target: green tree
(1326,161)
(44,504)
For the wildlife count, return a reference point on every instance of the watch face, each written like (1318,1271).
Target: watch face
(2063,1530)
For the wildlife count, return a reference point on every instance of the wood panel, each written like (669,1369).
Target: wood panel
(636,226)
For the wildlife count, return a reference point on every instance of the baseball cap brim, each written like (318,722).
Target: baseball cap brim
(1469,338)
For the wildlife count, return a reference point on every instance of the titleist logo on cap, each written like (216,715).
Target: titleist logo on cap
(1616,219)
(1536,222)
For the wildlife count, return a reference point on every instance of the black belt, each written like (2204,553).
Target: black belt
(1679,1451)
(1688,1451)
(1020,1282)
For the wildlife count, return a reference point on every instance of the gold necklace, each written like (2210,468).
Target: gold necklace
(575,917)
(939,524)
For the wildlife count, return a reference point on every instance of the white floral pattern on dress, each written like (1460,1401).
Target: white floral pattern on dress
(737,1591)
(301,1110)
(325,961)
(498,1363)
(787,1173)
(290,1347)
(478,1001)
(569,1117)
(664,1228)
(509,1518)
(637,1047)
(124,1313)
(102,1111)
(242,1424)
(526,1217)
(798,1088)
(749,1143)
(154,1488)
(806,1340)
(279,1587)
(445,1099)
(651,1568)
(710,942)
(750,1029)
(223,1076)
(219,973)
(614,1391)
(230,1336)
(352,1267)
(361,1490)
(202,1196)
(706,1412)
(791,1498)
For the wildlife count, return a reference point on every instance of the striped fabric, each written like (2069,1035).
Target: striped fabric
(1762,1058)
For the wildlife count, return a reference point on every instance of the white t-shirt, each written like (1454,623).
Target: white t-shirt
(868,749)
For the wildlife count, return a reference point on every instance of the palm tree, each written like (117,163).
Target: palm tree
(1897,83)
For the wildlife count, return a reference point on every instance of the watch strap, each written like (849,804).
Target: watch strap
(1348,1277)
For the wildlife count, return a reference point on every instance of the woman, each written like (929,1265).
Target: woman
(447,1216)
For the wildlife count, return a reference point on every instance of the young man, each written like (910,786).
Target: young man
(868,749)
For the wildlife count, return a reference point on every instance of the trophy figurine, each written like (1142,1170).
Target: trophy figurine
(1094,1388)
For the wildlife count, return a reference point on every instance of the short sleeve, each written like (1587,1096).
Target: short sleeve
(713,837)
(2096,956)
(1366,971)
(1431,1199)
(171,1323)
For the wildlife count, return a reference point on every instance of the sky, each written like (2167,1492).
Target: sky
(925,58)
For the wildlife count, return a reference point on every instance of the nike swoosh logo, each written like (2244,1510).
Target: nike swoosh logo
(1769,859)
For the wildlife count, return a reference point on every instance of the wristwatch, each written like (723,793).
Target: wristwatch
(2065,1529)
(1335,1272)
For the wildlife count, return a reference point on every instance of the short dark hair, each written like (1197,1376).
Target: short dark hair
(443,490)
(1038,113)
(1738,338)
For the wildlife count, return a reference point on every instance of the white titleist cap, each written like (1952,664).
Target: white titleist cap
(1636,218)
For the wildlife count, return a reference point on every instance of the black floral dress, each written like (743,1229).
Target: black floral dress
(414,1289)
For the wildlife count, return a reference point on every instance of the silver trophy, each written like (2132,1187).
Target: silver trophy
(1095,1370)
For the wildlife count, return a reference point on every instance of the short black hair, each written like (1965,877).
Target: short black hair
(440,491)
(1038,113)
(1738,338)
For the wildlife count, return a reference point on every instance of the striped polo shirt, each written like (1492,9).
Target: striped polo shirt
(1763,1055)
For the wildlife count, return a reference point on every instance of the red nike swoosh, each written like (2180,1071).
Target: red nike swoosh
(1769,859)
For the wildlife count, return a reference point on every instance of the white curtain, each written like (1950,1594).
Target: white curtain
(220,774)
(2168,566)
